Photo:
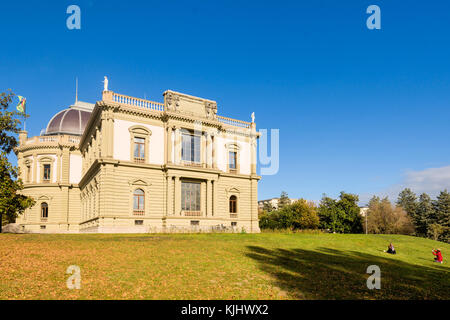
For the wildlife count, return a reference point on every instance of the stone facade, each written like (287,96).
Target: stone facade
(142,166)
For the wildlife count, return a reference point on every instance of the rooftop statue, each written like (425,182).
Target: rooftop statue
(105,84)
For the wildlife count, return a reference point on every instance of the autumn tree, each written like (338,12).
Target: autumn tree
(383,217)
(12,203)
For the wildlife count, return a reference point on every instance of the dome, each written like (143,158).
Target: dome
(69,121)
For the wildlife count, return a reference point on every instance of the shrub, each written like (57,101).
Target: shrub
(298,215)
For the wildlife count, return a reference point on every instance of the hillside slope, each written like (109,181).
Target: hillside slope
(221,266)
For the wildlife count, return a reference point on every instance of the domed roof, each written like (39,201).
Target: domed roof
(69,121)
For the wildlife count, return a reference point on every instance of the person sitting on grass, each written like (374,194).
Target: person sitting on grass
(391,249)
(438,254)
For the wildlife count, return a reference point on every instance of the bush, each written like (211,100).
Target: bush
(299,215)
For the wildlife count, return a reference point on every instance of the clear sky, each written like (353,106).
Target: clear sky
(365,111)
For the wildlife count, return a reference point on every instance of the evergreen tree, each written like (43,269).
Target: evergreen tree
(442,214)
(408,201)
(284,200)
(424,215)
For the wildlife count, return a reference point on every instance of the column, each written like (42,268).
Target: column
(58,168)
(208,151)
(177,145)
(169,195)
(253,147)
(35,160)
(253,155)
(214,151)
(177,195)
(202,150)
(215,198)
(169,145)
(209,199)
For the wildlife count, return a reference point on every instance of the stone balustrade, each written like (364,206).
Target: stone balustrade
(234,122)
(157,106)
(66,139)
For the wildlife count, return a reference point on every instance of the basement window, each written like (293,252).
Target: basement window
(43,227)
(138,222)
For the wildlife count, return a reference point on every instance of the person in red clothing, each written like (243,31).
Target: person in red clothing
(438,254)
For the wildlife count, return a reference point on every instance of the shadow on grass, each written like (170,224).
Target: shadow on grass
(333,274)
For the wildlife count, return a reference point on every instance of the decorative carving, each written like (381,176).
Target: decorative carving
(173,101)
(211,110)
(105,84)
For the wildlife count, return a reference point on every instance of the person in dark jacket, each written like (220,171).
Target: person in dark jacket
(391,249)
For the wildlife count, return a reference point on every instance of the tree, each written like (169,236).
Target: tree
(435,231)
(303,215)
(424,215)
(12,203)
(267,207)
(383,217)
(284,200)
(408,201)
(341,215)
(298,215)
(442,214)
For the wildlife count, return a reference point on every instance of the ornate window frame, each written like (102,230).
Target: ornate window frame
(142,132)
(233,192)
(28,170)
(193,134)
(41,200)
(144,185)
(233,147)
(43,161)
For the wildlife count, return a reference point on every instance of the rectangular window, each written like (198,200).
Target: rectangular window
(139,149)
(234,224)
(46,176)
(138,222)
(232,155)
(195,223)
(190,196)
(43,227)
(190,147)
(28,173)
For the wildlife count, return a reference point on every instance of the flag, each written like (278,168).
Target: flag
(21,106)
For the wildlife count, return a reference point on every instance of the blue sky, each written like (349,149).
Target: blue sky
(365,111)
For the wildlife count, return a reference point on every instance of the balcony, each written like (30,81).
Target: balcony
(192,164)
(191,213)
(138,212)
(139,160)
(62,139)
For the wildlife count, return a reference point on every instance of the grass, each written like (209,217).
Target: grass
(220,266)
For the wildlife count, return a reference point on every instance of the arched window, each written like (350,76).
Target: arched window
(233,204)
(44,210)
(138,201)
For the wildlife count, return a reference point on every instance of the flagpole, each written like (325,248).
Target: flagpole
(24,118)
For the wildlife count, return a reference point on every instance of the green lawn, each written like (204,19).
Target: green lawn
(220,266)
